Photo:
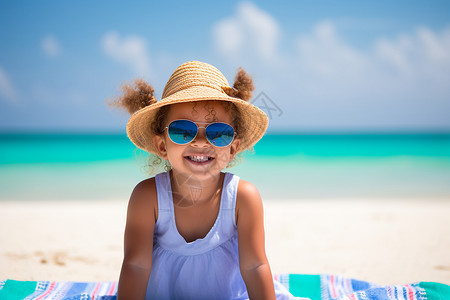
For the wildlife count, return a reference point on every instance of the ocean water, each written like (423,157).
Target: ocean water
(107,166)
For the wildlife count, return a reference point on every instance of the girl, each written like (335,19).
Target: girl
(195,232)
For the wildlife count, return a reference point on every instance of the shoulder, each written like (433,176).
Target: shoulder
(248,199)
(247,190)
(144,190)
(144,199)
(145,187)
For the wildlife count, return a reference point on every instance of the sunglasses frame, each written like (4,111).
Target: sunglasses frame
(198,127)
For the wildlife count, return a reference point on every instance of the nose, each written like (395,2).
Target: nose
(200,140)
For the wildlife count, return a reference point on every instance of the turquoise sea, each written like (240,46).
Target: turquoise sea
(300,166)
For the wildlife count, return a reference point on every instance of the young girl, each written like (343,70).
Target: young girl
(195,232)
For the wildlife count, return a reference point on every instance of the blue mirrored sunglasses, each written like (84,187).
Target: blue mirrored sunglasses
(182,132)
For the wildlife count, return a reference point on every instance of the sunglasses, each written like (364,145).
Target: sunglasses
(182,132)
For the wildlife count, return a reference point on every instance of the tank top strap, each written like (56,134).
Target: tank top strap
(229,194)
(164,191)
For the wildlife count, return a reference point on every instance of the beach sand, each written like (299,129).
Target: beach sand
(382,241)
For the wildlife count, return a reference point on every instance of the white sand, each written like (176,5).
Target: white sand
(383,241)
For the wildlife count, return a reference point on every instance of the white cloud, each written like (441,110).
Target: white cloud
(251,31)
(325,54)
(423,55)
(326,81)
(228,37)
(50,46)
(400,81)
(7,89)
(410,66)
(130,50)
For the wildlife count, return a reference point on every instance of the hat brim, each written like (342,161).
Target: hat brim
(255,121)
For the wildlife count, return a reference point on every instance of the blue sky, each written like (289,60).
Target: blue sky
(322,66)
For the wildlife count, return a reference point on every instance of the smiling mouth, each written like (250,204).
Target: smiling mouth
(199,158)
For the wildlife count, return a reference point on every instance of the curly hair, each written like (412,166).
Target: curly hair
(135,97)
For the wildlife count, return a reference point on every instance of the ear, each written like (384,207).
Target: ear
(160,145)
(234,147)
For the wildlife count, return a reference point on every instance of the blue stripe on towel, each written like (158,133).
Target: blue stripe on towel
(77,288)
(377,294)
(359,285)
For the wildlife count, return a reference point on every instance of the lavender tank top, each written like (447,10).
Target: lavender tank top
(207,268)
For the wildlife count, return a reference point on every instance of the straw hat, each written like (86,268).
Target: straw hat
(190,82)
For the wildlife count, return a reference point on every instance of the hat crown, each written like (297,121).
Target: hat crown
(195,73)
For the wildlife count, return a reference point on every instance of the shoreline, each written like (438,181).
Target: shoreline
(384,241)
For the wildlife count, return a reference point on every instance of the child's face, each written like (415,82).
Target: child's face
(189,158)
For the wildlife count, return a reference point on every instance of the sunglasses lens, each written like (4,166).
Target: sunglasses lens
(182,131)
(220,134)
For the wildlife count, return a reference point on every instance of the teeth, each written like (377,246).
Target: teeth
(198,158)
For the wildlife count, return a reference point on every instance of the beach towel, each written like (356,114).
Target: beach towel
(314,287)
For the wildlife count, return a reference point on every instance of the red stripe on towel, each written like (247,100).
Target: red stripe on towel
(97,287)
(410,292)
(333,290)
(50,288)
(112,289)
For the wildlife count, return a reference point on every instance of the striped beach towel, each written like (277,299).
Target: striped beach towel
(314,287)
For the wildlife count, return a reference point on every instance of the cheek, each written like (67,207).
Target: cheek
(174,150)
(225,156)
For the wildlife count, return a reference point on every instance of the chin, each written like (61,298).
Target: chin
(200,173)
(206,174)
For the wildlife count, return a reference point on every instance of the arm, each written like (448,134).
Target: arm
(138,243)
(254,267)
